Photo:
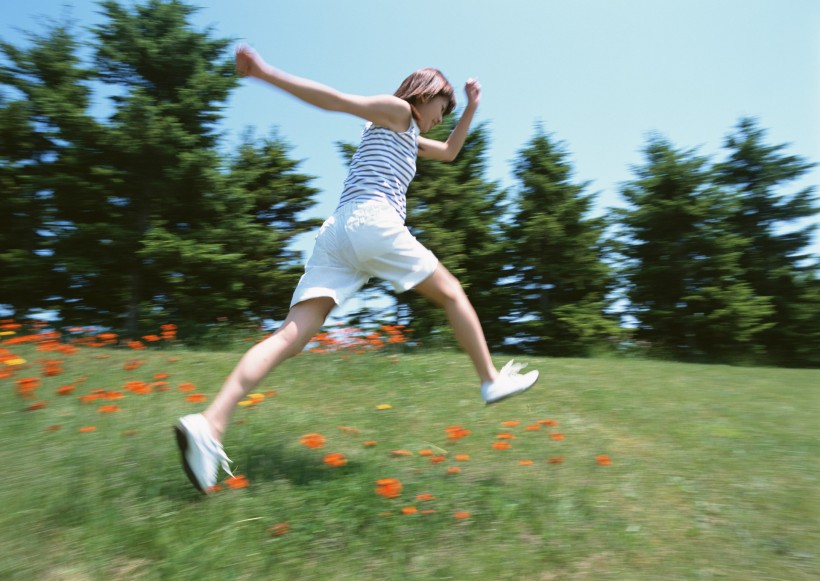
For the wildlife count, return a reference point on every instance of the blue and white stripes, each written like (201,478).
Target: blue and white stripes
(383,167)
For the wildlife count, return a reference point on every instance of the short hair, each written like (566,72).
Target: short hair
(425,85)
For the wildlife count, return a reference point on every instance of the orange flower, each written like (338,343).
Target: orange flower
(214,488)
(548,423)
(161,376)
(425,497)
(66,389)
(389,487)
(505,436)
(313,440)
(456,432)
(462,457)
(501,446)
(425,452)
(196,397)
(109,409)
(429,511)
(138,387)
(136,345)
(453,470)
(87,429)
(279,529)
(437,459)
(151,338)
(557,436)
(533,427)
(400,453)
(349,430)
(237,481)
(525,462)
(510,423)
(603,460)
(409,510)
(369,443)
(461,515)
(113,395)
(37,405)
(335,459)
(557,460)
(187,386)
(53,428)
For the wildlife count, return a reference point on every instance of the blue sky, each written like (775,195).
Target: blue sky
(599,75)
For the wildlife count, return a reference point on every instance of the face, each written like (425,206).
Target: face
(431,112)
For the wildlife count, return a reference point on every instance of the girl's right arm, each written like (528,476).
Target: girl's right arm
(383,110)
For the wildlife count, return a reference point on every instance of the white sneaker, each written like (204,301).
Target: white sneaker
(508,383)
(201,453)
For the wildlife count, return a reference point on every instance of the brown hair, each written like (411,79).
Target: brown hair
(425,85)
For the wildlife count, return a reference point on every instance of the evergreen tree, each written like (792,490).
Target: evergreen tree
(135,219)
(559,278)
(683,273)
(775,260)
(456,213)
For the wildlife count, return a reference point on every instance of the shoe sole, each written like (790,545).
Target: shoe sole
(182,443)
(509,395)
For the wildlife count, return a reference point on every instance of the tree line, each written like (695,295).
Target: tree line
(138,218)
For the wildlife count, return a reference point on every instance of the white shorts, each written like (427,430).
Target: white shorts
(359,241)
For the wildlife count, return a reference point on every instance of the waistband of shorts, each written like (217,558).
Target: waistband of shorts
(371,206)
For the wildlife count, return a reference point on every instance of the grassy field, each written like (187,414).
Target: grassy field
(713,471)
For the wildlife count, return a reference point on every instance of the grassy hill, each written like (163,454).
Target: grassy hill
(614,469)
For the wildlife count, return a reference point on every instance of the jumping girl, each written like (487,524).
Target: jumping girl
(365,237)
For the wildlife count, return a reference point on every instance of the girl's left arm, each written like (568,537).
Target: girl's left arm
(448,150)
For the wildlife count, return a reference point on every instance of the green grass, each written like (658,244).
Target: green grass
(714,473)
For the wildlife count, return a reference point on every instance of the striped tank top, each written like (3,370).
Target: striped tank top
(383,167)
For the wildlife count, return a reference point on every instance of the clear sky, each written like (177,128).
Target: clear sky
(599,75)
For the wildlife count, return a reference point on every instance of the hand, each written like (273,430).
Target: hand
(248,62)
(473,89)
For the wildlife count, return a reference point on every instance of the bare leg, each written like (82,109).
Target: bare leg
(444,290)
(300,326)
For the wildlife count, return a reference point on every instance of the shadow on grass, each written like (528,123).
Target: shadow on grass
(269,463)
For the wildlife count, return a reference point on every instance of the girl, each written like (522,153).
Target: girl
(365,237)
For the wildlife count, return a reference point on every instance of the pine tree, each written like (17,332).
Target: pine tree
(456,213)
(775,260)
(683,273)
(559,278)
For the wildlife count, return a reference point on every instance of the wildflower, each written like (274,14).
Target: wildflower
(510,423)
(136,345)
(238,481)
(425,497)
(161,376)
(557,460)
(37,405)
(533,427)
(349,430)
(151,338)
(87,429)
(66,389)
(187,386)
(603,460)
(109,409)
(437,459)
(425,452)
(525,462)
(335,459)
(548,423)
(369,443)
(279,529)
(383,406)
(53,428)
(462,457)
(409,510)
(456,432)
(400,453)
(313,440)
(501,446)
(214,488)
(196,398)
(557,436)
(461,515)
(388,487)
(505,436)
(453,470)
(429,511)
